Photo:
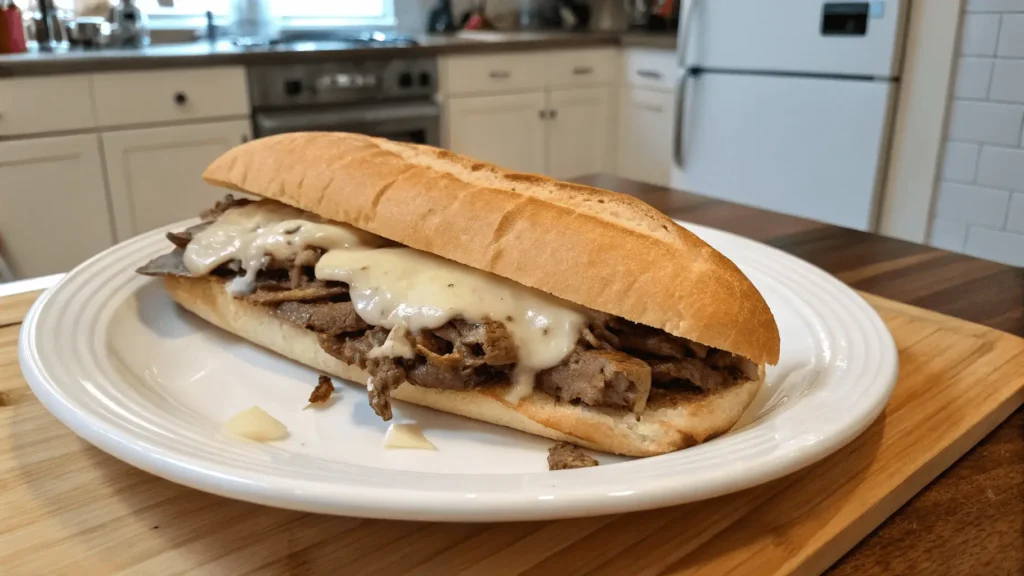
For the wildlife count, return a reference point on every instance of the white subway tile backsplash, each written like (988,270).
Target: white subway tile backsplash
(948,235)
(979,35)
(1001,168)
(972,77)
(960,162)
(1008,81)
(986,122)
(995,5)
(1011,36)
(979,200)
(1005,247)
(1015,220)
(972,204)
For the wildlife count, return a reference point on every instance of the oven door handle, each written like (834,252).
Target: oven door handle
(338,118)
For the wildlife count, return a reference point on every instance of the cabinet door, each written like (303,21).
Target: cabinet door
(579,130)
(503,130)
(156,174)
(645,135)
(53,205)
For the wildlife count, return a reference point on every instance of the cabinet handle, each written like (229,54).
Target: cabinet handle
(552,114)
(582,70)
(499,74)
(180,98)
(543,114)
(650,107)
(649,74)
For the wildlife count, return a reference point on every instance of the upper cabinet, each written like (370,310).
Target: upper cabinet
(155,173)
(53,205)
(546,113)
(45,104)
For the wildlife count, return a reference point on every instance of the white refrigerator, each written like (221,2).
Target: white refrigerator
(786,104)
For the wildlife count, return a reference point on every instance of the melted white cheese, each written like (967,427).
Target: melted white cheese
(407,435)
(254,233)
(417,290)
(255,424)
(394,287)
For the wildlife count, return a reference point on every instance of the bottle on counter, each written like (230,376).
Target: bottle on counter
(12,29)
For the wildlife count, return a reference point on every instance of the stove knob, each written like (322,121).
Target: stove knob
(405,80)
(343,80)
(293,87)
(425,79)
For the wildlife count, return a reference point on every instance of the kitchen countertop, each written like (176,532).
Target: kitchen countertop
(221,53)
(967,521)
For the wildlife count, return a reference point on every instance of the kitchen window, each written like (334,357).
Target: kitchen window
(293,13)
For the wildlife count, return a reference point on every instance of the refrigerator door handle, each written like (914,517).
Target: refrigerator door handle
(679,120)
(685,26)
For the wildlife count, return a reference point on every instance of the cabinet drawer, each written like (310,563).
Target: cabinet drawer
(125,98)
(580,67)
(45,104)
(493,73)
(655,69)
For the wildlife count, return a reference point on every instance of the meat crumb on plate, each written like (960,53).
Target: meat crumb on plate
(565,456)
(322,392)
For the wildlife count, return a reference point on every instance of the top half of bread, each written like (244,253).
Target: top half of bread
(599,249)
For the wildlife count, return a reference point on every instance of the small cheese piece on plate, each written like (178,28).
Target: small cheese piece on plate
(255,424)
(407,435)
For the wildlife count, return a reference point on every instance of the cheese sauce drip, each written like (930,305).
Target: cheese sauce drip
(402,287)
(257,232)
(399,288)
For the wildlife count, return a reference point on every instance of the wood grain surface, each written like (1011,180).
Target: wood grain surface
(66,507)
(69,508)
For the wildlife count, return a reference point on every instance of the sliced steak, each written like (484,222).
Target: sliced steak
(692,370)
(565,456)
(323,317)
(170,264)
(303,262)
(228,202)
(599,378)
(485,342)
(386,374)
(311,291)
(181,239)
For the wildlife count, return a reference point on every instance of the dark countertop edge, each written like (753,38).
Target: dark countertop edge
(109,62)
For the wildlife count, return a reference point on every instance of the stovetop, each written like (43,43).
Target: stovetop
(333,40)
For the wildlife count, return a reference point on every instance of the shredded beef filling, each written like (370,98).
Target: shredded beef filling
(616,363)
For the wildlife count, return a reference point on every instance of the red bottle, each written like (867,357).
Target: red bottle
(12,30)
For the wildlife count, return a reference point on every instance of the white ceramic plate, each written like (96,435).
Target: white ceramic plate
(112,357)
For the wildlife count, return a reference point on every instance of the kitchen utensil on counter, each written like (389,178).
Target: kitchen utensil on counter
(638,12)
(441,19)
(130,25)
(476,19)
(252,23)
(88,32)
(47,27)
(12,38)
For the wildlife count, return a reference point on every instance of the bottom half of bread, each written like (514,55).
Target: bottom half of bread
(671,421)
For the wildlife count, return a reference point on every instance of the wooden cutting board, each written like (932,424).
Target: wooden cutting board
(66,507)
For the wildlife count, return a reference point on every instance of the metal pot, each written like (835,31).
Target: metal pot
(88,32)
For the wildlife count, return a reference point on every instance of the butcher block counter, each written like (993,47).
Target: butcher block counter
(66,507)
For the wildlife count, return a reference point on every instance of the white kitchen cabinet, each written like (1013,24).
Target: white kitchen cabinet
(53,204)
(645,135)
(504,130)
(578,132)
(155,174)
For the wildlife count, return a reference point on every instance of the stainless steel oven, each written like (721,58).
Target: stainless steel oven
(391,97)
